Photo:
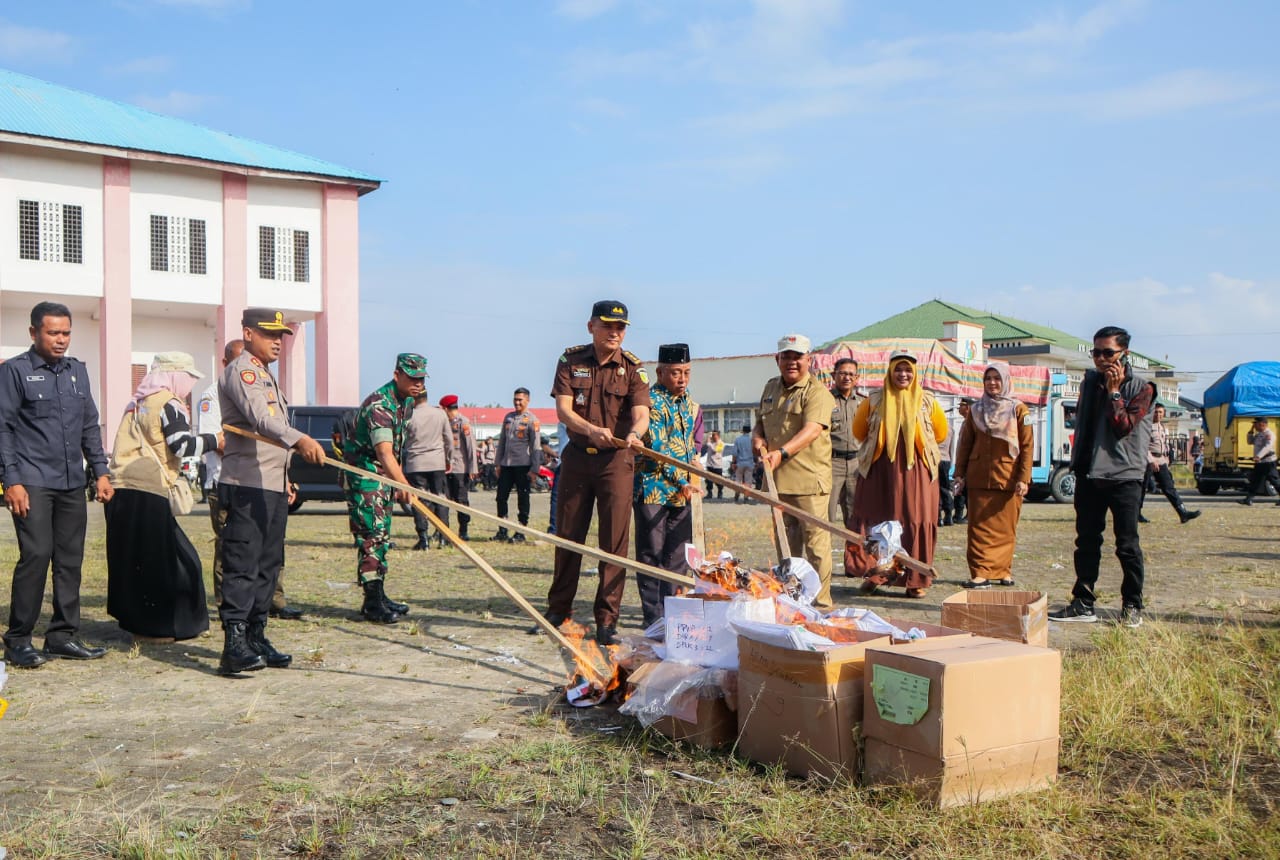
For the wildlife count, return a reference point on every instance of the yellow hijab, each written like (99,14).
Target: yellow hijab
(900,408)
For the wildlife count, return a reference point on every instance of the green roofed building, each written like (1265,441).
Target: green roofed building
(1013,340)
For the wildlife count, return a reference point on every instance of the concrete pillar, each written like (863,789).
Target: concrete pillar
(291,371)
(115,308)
(235,259)
(338,323)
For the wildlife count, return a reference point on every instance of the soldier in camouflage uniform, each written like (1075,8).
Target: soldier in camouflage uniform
(375,446)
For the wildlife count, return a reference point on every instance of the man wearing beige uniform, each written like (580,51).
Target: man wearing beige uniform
(793,437)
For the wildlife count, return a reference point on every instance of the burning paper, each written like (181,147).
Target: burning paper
(595,669)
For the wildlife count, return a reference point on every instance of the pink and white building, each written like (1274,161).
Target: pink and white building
(157,233)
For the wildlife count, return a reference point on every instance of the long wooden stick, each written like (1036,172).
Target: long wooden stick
(752,493)
(554,632)
(779,527)
(554,540)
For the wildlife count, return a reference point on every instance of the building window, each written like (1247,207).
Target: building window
(284,254)
(178,245)
(52,232)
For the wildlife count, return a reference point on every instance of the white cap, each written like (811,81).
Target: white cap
(793,343)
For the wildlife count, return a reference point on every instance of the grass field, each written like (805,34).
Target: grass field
(445,735)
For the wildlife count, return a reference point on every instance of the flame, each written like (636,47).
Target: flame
(596,666)
(732,575)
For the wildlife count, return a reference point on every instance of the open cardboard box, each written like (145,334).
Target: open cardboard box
(802,709)
(1019,616)
(969,719)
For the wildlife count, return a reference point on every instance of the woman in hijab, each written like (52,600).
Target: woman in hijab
(993,462)
(155,585)
(899,428)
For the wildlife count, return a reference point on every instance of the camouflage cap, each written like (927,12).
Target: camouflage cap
(411,364)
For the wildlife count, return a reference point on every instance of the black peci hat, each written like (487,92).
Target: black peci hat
(673,353)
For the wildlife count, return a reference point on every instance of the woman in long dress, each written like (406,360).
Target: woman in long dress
(993,461)
(899,428)
(155,584)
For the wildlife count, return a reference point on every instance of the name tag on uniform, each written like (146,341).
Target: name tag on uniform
(35,379)
(581,373)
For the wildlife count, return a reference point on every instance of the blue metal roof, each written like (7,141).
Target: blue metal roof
(41,109)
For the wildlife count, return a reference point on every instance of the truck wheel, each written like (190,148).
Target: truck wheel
(1063,485)
(1207,488)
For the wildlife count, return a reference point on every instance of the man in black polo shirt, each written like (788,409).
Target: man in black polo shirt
(48,431)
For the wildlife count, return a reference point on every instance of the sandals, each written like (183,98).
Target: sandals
(977,583)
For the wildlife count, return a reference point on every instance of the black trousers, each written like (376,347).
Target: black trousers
(661,533)
(946,498)
(252,550)
(51,532)
(713,488)
(1263,473)
(1159,477)
(1093,500)
(432,482)
(458,486)
(518,477)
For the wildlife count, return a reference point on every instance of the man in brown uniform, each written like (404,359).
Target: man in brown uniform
(601,393)
(792,435)
(844,448)
(253,489)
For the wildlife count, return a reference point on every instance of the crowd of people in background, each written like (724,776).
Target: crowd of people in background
(831,451)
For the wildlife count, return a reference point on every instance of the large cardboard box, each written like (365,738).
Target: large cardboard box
(961,779)
(971,718)
(698,630)
(802,709)
(716,725)
(1019,616)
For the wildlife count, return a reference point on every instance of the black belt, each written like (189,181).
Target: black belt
(844,455)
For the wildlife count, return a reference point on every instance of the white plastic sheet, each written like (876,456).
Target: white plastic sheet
(886,541)
(671,689)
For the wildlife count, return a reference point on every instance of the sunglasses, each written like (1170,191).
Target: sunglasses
(1105,353)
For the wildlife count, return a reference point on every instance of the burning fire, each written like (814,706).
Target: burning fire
(595,669)
(732,575)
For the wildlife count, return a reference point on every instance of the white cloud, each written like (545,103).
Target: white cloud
(156,65)
(1184,90)
(175,102)
(581,10)
(32,44)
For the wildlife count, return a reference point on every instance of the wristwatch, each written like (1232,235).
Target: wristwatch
(1115,395)
(786,455)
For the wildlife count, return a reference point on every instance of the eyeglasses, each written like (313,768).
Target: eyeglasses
(1105,353)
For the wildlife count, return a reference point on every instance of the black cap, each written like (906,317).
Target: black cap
(264,319)
(673,353)
(610,311)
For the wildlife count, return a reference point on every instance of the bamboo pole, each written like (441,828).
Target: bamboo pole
(507,588)
(752,493)
(554,540)
(780,541)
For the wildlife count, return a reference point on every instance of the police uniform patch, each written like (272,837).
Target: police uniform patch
(644,377)
(1027,420)
(205,405)
(248,377)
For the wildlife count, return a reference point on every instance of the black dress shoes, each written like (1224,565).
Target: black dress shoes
(24,657)
(73,649)
(285,613)
(555,619)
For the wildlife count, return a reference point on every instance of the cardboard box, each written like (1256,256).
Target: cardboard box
(932,631)
(1019,616)
(975,695)
(802,709)
(716,725)
(966,778)
(698,631)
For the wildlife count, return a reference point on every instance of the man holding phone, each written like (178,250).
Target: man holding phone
(1109,460)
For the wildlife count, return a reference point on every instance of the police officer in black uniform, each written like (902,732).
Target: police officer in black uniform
(48,432)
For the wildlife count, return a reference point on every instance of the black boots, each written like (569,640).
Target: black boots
(421,544)
(462,530)
(501,535)
(237,656)
(1186,516)
(376,607)
(394,606)
(260,645)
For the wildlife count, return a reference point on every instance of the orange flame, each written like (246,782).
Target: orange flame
(731,575)
(597,665)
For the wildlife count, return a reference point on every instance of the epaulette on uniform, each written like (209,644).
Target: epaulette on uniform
(631,357)
(571,350)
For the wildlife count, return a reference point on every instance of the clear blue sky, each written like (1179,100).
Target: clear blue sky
(737,170)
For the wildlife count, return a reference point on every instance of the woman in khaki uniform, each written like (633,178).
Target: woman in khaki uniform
(993,461)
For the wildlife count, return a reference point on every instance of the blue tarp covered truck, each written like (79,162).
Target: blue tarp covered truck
(1245,392)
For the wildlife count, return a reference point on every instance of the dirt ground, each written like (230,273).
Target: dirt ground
(151,729)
